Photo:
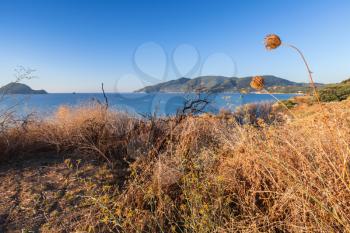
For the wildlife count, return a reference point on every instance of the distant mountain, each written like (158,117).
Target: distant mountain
(225,84)
(19,88)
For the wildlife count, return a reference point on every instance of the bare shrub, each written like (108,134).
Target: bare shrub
(254,114)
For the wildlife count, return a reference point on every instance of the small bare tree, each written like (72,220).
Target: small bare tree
(196,103)
(7,112)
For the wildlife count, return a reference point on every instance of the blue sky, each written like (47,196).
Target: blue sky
(76,44)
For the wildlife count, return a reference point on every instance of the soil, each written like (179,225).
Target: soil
(48,193)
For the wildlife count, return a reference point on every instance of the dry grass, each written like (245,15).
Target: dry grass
(207,173)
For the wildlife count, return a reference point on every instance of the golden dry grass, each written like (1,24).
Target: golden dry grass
(208,173)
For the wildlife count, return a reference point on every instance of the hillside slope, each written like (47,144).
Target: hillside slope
(335,92)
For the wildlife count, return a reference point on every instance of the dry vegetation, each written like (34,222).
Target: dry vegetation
(92,170)
(261,169)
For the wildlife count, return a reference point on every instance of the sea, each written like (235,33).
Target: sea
(141,104)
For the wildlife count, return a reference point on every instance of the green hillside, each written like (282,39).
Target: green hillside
(335,92)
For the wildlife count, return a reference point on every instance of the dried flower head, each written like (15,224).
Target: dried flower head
(257,83)
(272,41)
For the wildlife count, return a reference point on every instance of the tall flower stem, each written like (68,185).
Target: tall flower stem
(312,83)
(280,102)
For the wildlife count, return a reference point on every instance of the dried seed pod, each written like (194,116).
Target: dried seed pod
(257,83)
(272,41)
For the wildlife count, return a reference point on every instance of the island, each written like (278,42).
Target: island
(227,84)
(19,88)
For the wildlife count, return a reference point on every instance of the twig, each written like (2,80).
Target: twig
(280,102)
(105,96)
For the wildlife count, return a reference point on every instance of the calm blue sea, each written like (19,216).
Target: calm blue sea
(134,103)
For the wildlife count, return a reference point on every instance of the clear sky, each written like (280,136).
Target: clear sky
(76,44)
